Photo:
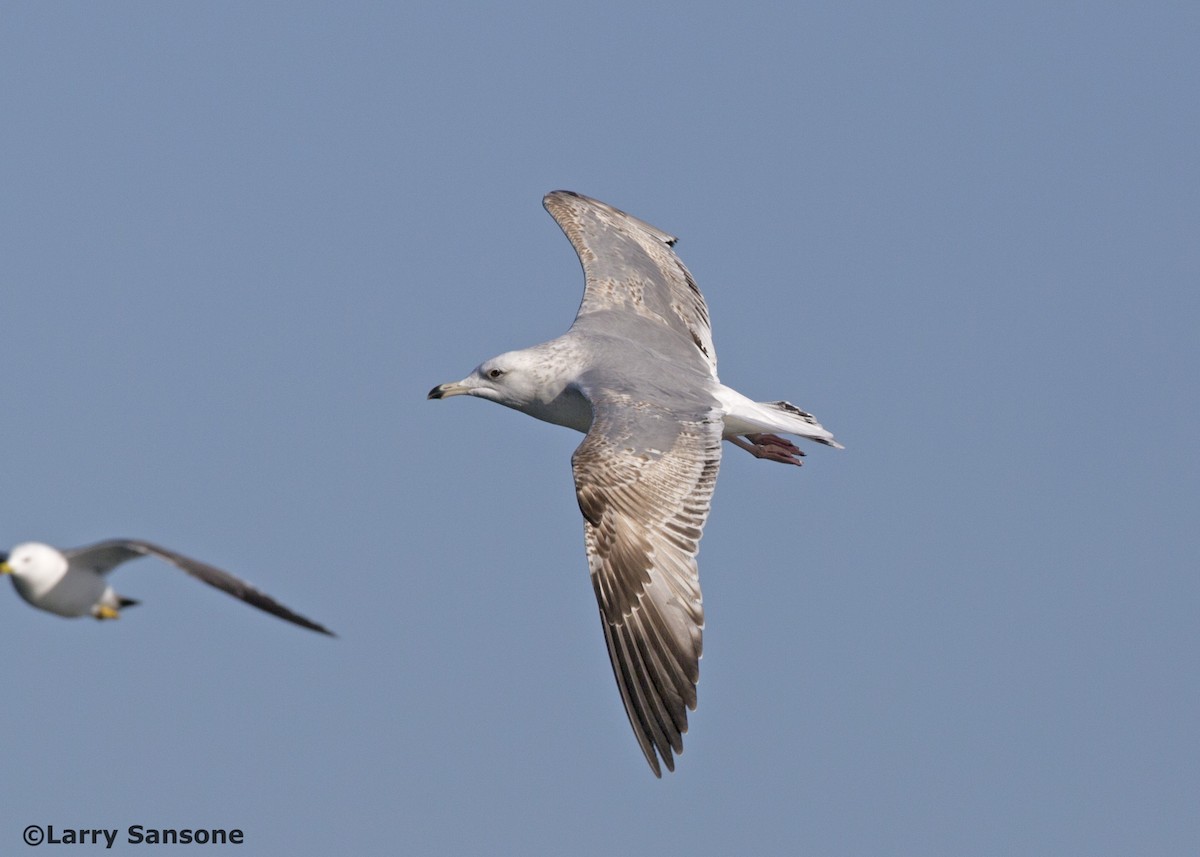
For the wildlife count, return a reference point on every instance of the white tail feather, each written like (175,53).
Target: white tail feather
(746,416)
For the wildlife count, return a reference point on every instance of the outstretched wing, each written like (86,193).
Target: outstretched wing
(103,557)
(644,478)
(629,266)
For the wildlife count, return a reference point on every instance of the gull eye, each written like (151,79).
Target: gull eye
(495,373)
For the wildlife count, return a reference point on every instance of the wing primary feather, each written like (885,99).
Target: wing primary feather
(634,715)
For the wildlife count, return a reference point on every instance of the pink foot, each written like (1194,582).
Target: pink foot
(771,447)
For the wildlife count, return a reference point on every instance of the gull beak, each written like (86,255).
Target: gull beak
(445,391)
(5,568)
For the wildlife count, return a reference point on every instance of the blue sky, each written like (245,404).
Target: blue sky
(240,242)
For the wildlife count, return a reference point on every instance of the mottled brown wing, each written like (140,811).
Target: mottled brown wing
(644,506)
(629,266)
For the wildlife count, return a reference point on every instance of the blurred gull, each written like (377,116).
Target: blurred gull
(637,373)
(72,582)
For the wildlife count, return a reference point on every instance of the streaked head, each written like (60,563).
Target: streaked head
(510,379)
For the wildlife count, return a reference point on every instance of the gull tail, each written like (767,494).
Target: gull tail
(792,420)
(744,416)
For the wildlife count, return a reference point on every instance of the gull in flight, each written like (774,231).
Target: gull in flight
(73,582)
(637,374)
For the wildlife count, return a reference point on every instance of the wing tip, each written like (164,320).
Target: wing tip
(566,197)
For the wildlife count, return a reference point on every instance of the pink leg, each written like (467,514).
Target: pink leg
(771,447)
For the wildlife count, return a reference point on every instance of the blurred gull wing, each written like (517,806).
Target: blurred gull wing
(103,557)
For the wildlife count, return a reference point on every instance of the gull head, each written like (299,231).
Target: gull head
(34,562)
(538,381)
(514,379)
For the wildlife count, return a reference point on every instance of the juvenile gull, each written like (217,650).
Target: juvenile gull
(72,582)
(637,373)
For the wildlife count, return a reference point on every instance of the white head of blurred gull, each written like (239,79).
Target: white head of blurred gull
(74,582)
(637,373)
